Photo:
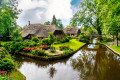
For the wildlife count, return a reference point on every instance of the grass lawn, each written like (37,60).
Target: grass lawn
(104,42)
(74,44)
(16,75)
(117,49)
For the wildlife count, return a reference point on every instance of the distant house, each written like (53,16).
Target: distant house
(41,31)
(73,31)
(1,37)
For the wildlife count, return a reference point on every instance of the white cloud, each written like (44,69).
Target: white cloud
(39,11)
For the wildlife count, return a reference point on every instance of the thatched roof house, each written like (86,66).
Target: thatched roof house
(41,31)
(73,31)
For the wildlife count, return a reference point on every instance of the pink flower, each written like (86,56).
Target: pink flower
(3,71)
(10,77)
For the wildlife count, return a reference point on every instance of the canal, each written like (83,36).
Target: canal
(92,62)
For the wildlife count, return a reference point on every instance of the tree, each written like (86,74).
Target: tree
(88,16)
(54,20)
(57,22)
(16,35)
(47,23)
(8,16)
(110,16)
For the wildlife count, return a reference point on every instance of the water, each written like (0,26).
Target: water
(93,62)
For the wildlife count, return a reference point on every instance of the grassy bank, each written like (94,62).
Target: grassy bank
(16,75)
(74,44)
(114,47)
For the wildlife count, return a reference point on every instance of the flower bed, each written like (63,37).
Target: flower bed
(64,47)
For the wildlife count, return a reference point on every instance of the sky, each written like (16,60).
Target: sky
(40,11)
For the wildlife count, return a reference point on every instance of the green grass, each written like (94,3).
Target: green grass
(16,75)
(74,44)
(114,47)
(104,42)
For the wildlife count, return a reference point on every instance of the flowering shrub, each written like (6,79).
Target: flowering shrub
(65,47)
(43,46)
(6,63)
(4,76)
(66,52)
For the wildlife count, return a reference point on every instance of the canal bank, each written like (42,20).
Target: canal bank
(92,62)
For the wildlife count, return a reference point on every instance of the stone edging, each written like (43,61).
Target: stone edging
(118,54)
(49,58)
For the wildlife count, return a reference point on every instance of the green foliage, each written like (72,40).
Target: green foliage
(57,22)
(6,64)
(47,23)
(65,47)
(46,41)
(36,39)
(52,38)
(8,16)
(83,38)
(4,53)
(88,16)
(54,20)
(13,47)
(66,52)
(52,49)
(16,35)
(33,44)
(65,39)
(41,52)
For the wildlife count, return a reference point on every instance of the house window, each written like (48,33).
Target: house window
(72,34)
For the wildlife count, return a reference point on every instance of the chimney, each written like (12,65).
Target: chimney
(28,22)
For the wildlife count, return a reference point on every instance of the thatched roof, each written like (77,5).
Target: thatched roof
(72,30)
(39,30)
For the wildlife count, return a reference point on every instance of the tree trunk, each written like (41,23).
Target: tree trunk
(117,37)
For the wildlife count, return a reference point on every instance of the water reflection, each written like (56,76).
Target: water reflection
(93,62)
(99,66)
(52,72)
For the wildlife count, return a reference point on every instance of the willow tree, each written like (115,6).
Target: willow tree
(88,15)
(110,16)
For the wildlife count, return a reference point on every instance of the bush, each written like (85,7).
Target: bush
(82,38)
(85,40)
(6,64)
(26,43)
(65,47)
(36,39)
(33,44)
(52,38)
(12,47)
(41,52)
(52,49)
(66,52)
(4,76)
(34,52)
(46,41)
(20,49)
(4,53)
(65,39)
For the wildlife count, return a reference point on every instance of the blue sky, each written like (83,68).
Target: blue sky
(76,2)
(40,11)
